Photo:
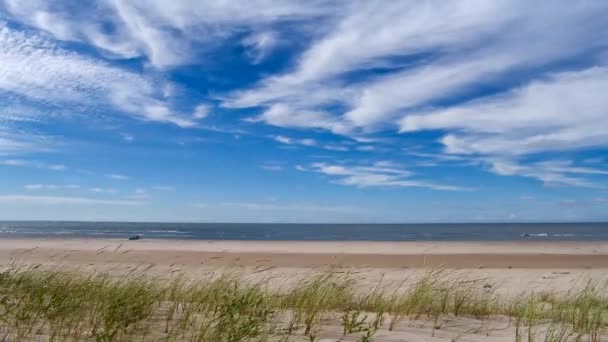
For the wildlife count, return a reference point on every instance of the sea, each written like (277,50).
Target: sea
(309,232)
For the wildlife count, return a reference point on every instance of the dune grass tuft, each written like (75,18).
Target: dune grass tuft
(63,304)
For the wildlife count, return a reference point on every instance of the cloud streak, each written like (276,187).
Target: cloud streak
(550,173)
(35,187)
(434,54)
(63,200)
(379,174)
(166,34)
(562,112)
(297,207)
(116,176)
(33,164)
(37,70)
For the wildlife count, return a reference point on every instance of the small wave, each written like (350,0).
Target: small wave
(63,232)
(167,232)
(563,235)
(535,235)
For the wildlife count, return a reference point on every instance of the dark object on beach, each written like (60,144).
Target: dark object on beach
(135,237)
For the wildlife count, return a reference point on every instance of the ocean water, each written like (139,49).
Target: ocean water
(309,232)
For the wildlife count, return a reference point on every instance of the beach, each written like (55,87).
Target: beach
(510,269)
(521,255)
(517,266)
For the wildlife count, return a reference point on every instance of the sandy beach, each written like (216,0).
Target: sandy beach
(509,268)
(521,255)
(516,266)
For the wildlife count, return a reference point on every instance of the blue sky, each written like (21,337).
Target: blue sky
(304,111)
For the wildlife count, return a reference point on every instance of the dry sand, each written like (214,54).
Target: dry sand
(586,255)
(515,266)
(511,267)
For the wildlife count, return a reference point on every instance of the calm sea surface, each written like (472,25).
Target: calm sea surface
(331,232)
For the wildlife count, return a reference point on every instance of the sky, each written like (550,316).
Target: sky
(304,111)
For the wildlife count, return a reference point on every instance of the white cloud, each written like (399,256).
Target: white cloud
(469,43)
(36,69)
(99,190)
(166,33)
(14,141)
(117,176)
(57,167)
(139,194)
(310,143)
(127,137)
(284,116)
(10,146)
(551,173)
(260,44)
(33,187)
(201,111)
(62,200)
(431,53)
(294,207)
(33,164)
(291,141)
(565,111)
(379,174)
(570,203)
(271,167)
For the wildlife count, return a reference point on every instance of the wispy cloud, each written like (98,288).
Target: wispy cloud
(163,33)
(260,44)
(32,187)
(291,141)
(272,167)
(33,164)
(535,118)
(571,203)
(502,86)
(550,173)
(35,68)
(14,141)
(201,111)
(484,41)
(127,137)
(63,200)
(117,176)
(378,174)
(99,190)
(298,207)
(284,115)
(450,50)
(139,194)
(310,143)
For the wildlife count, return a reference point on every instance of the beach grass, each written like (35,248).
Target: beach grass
(67,304)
